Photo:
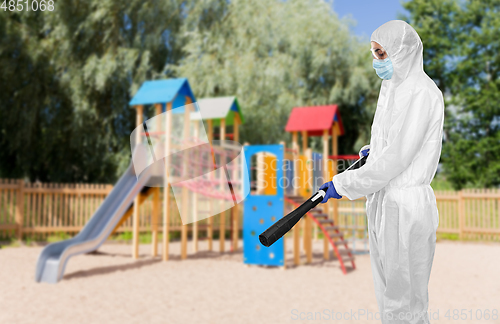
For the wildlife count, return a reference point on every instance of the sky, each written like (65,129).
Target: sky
(369,14)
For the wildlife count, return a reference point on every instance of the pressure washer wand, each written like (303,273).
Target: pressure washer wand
(285,224)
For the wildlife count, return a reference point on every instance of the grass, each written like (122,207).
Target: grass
(13,243)
(57,237)
(126,237)
(447,236)
(440,183)
(144,238)
(439,236)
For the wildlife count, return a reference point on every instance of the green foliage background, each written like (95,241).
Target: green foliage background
(67,76)
(461,52)
(276,55)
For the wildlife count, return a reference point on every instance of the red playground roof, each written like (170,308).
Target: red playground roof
(314,120)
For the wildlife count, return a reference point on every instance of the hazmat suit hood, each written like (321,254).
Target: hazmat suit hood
(403,46)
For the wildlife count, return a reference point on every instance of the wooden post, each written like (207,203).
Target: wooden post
(154,222)
(497,193)
(296,243)
(135,222)
(308,225)
(295,148)
(277,184)
(305,144)
(210,229)
(304,182)
(222,225)
(326,251)
(166,184)
(156,199)
(486,206)
(50,204)
(196,134)
(296,230)
(195,224)
(335,151)
(461,214)
(20,210)
(195,204)
(235,210)
(185,191)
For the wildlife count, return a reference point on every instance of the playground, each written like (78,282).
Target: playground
(161,161)
(179,165)
(110,287)
(190,178)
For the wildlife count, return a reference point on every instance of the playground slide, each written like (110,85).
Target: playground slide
(54,257)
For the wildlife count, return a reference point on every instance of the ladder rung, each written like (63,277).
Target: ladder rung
(325,221)
(344,252)
(339,242)
(331,228)
(354,227)
(348,259)
(320,215)
(357,240)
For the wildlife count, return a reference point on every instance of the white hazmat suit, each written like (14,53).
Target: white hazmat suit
(405,146)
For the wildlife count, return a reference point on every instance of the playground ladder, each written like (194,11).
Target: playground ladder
(330,231)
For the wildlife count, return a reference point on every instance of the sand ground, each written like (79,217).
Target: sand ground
(109,287)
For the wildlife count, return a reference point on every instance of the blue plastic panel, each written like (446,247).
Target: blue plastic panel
(234,106)
(260,212)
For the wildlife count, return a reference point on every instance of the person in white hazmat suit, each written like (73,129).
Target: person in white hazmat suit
(404,152)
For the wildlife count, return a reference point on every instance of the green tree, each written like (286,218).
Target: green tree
(461,51)
(276,55)
(67,77)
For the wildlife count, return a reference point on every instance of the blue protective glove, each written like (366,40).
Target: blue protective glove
(330,192)
(364,151)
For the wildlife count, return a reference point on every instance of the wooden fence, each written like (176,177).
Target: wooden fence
(471,213)
(36,210)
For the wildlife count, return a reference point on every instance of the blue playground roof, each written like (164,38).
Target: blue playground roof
(163,91)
